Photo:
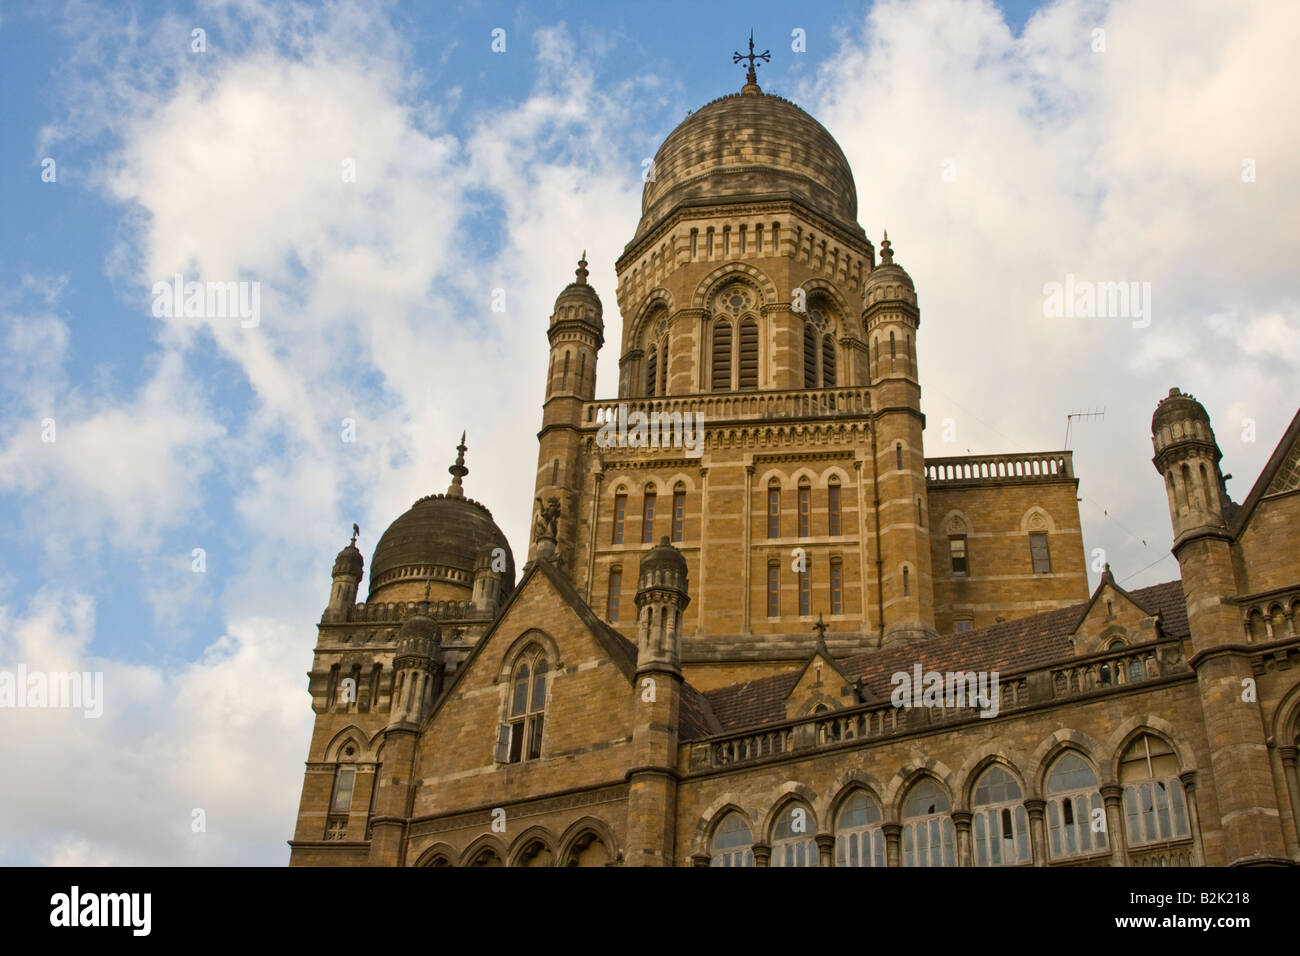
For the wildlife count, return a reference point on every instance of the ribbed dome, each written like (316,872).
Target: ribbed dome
(888,281)
(579,301)
(663,559)
(440,537)
(750,146)
(349,561)
(1177,407)
(418,636)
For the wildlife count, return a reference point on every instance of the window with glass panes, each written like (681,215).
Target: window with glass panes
(615,588)
(1038,553)
(732,842)
(345,779)
(957,552)
(1073,803)
(1155,807)
(805,591)
(859,839)
(620,512)
(523,728)
(837,587)
(929,838)
(679,512)
(774,510)
(833,508)
(648,517)
(793,842)
(773,589)
(805,509)
(999,824)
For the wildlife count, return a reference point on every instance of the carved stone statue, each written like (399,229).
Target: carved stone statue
(548,518)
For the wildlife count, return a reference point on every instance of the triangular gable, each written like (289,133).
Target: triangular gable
(1280,475)
(1110,612)
(820,680)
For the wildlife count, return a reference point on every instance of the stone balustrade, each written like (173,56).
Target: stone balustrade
(986,469)
(739,406)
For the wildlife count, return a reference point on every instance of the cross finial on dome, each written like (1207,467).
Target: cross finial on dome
(751,77)
(581,271)
(886,251)
(458,470)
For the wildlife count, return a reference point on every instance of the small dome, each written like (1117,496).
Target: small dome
(888,280)
(579,301)
(418,636)
(662,557)
(349,561)
(1177,407)
(747,147)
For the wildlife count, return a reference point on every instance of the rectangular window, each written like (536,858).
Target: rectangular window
(516,741)
(615,586)
(836,588)
(773,590)
(805,593)
(1038,552)
(805,507)
(679,514)
(648,518)
(957,551)
(964,625)
(833,509)
(620,511)
(774,512)
(535,737)
(344,782)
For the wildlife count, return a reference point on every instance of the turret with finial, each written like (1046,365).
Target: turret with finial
(458,470)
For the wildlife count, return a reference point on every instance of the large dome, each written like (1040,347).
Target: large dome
(750,146)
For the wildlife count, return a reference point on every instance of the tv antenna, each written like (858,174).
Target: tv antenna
(1069,420)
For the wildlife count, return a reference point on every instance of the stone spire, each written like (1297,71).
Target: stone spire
(581,271)
(458,470)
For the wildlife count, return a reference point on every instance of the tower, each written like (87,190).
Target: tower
(891,319)
(661,596)
(346,577)
(1187,456)
(576,333)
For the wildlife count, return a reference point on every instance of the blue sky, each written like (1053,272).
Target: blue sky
(477,171)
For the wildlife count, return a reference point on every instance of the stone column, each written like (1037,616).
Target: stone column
(762,854)
(1194,812)
(1112,795)
(893,834)
(825,849)
(961,820)
(1289,758)
(1037,831)
(701,859)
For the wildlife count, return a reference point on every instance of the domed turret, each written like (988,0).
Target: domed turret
(417,638)
(661,596)
(346,575)
(437,542)
(1187,455)
(579,303)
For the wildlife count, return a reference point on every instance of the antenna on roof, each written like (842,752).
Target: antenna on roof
(1069,420)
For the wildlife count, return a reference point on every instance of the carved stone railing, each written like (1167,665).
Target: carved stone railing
(1132,664)
(882,720)
(740,406)
(1165,854)
(1271,616)
(986,469)
(394,612)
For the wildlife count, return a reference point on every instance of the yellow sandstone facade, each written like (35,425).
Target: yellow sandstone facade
(734,560)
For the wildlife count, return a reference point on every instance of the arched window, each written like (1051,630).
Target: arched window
(859,839)
(774,509)
(721,355)
(1075,816)
(866,344)
(615,589)
(833,507)
(809,356)
(805,589)
(648,515)
(733,842)
(805,508)
(907,583)
(1155,807)
(679,511)
(522,737)
(564,377)
(898,455)
(663,367)
(773,589)
(1000,827)
(793,842)
(652,371)
(828,361)
(620,513)
(929,838)
(748,377)
(582,368)
(893,352)
(837,586)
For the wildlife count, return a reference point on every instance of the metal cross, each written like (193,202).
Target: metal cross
(820,627)
(765,56)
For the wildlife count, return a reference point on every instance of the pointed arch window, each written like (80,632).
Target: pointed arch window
(679,511)
(748,375)
(773,589)
(652,371)
(522,731)
(620,513)
(615,589)
(1155,806)
(929,838)
(648,516)
(833,507)
(837,586)
(733,842)
(1000,828)
(721,370)
(828,361)
(1073,804)
(774,509)
(805,508)
(793,842)
(859,838)
(809,356)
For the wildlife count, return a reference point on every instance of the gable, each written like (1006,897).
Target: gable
(820,683)
(1112,615)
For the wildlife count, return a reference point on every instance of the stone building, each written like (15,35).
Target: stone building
(740,563)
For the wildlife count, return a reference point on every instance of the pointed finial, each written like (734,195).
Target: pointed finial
(751,77)
(581,271)
(886,250)
(1106,576)
(355,531)
(458,470)
(820,628)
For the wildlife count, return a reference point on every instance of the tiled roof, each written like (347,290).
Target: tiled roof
(1024,643)
(695,717)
